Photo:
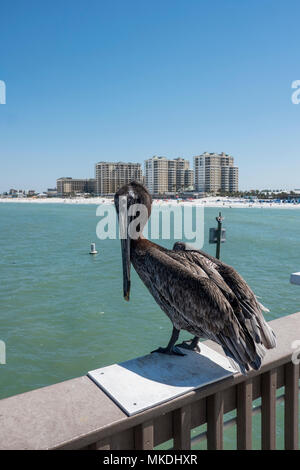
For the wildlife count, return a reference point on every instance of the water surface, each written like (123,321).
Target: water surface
(62,310)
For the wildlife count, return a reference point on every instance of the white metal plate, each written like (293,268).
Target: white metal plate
(295,278)
(144,382)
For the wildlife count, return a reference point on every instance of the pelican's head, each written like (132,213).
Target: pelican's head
(133,206)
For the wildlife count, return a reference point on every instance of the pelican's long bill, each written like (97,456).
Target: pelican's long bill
(125,246)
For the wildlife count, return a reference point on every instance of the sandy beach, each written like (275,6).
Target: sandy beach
(212,201)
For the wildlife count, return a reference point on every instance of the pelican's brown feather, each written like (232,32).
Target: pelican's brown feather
(250,312)
(191,299)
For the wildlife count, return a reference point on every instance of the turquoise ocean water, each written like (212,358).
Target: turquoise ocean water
(62,310)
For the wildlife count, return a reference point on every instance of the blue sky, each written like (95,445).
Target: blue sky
(124,80)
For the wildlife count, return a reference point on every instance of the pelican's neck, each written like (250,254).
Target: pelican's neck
(136,244)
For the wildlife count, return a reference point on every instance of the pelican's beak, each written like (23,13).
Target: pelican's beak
(125,247)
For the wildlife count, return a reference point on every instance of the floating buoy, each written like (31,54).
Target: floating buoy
(93,249)
(295,278)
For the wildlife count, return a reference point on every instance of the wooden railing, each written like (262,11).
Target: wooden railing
(76,414)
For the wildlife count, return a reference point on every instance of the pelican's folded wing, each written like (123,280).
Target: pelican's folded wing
(252,317)
(195,303)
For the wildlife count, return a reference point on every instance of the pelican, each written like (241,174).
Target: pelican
(199,293)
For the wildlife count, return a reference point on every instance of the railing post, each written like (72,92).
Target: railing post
(291,406)
(182,428)
(215,412)
(144,436)
(268,410)
(244,415)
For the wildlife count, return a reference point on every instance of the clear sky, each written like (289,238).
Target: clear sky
(123,80)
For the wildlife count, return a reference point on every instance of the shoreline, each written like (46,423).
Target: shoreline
(213,201)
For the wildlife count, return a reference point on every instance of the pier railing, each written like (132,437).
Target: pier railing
(76,414)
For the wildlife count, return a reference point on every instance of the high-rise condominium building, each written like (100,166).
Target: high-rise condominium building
(215,172)
(157,175)
(164,175)
(182,173)
(67,186)
(189,179)
(111,176)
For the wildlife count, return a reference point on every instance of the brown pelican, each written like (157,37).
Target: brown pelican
(199,293)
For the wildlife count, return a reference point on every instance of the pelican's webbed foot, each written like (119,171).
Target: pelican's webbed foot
(171,349)
(174,351)
(192,344)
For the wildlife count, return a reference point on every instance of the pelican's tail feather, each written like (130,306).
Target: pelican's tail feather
(260,330)
(236,366)
(264,309)
(243,353)
(268,335)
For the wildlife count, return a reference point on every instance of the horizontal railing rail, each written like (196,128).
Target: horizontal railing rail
(76,414)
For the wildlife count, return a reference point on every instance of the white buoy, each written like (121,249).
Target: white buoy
(93,249)
(295,278)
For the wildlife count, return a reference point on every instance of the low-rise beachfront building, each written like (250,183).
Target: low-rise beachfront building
(67,186)
(52,192)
